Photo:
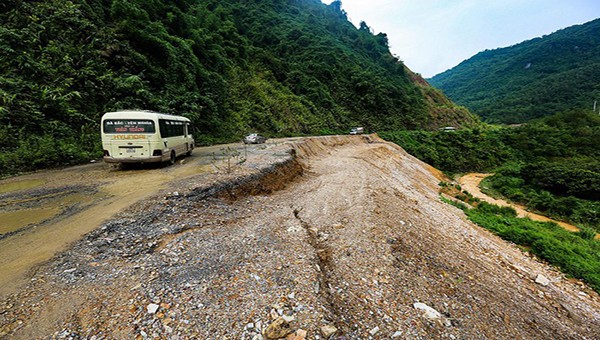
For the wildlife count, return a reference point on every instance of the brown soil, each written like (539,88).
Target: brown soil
(341,233)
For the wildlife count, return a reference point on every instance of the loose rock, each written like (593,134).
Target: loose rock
(541,279)
(328,330)
(430,313)
(279,328)
(152,308)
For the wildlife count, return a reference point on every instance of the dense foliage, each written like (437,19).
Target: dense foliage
(551,165)
(577,254)
(454,151)
(515,182)
(278,67)
(536,78)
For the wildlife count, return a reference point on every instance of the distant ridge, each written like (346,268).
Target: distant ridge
(539,77)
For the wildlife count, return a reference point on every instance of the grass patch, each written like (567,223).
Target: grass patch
(576,254)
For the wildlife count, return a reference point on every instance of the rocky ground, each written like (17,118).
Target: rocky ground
(333,237)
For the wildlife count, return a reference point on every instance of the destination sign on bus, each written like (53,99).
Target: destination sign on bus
(129,126)
(123,137)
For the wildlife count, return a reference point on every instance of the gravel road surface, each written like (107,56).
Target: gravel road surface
(332,237)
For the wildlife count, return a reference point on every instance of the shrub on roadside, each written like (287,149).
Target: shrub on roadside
(577,254)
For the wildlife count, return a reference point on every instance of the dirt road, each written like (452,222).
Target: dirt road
(42,213)
(340,236)
(470,183)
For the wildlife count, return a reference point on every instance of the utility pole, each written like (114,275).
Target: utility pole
(595,102)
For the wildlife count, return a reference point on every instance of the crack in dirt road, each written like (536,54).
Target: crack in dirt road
(323,287)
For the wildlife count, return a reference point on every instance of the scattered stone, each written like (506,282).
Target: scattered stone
(396,334)
(294,229)
(541,279)
(152,308)
(430,313)
(279,328)
(374,331)
(328,330)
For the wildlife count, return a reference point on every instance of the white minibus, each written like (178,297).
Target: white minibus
(145,137)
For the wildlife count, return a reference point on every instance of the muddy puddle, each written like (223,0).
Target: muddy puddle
(32,209)
(41,214)
(20,185)
(13,221)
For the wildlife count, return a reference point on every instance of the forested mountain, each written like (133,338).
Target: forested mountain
(277,67)
(536,78)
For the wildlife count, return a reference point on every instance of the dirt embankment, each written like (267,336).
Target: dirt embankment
(342,236)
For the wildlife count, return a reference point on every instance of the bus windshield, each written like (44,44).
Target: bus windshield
(129,126)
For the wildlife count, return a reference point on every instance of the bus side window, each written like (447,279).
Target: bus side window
(163,128)
(171,128)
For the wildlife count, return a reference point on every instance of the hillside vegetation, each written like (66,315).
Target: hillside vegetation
(550,165)
(281,68)
(536,78)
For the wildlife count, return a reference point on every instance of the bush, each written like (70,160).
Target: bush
(586,233)
(577,254)
(496,210)
(460,151)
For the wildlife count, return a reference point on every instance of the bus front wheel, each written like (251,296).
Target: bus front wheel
(172,158)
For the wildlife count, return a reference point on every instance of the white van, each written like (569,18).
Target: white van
(357,131)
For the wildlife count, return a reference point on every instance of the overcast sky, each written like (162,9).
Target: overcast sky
(431,36)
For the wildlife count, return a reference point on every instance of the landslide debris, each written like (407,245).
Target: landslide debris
(333,237)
